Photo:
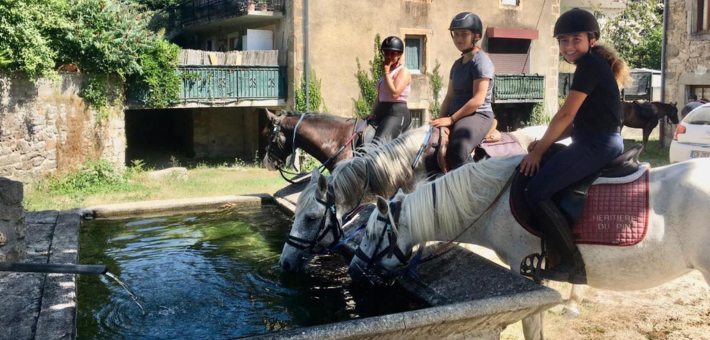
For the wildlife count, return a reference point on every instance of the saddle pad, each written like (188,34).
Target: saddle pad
(615,214)
(507,146)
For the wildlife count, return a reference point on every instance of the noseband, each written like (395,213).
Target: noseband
(273,138)
(392,249)
(323,228)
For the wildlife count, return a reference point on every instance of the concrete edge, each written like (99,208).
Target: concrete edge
(152,208)
(510,308)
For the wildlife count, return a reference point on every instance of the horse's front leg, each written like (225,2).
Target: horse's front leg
(571,308)
(532,327)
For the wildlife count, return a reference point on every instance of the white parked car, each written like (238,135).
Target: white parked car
(692,136)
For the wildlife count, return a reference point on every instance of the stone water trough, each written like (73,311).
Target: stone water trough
(470,297)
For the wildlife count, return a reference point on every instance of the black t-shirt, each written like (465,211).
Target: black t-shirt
(601,110)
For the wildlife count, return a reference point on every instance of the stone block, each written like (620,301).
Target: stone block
(11,192)
(11,213)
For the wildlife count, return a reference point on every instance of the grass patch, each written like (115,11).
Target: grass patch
(107,185)
(651,153)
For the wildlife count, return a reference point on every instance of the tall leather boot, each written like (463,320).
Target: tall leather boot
(559,237)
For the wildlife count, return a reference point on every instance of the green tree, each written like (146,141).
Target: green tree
(29,31)
(637,33)
(367,83)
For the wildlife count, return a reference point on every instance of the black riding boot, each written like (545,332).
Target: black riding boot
(559,237)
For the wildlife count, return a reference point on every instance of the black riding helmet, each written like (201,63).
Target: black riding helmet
(392,44)
(467,20)
(574,21)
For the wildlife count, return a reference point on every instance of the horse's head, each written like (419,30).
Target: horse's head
(673,112)
(386,247)
(316,226)
(278,147)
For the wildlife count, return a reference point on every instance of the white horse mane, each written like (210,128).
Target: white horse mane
(461,195)
(387,165)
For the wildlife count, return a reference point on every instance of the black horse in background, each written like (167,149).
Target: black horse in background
(646,115)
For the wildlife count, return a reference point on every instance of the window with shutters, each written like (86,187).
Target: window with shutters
(417,118)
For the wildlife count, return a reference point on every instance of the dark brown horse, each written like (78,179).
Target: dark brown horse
(319,135)
(634,119)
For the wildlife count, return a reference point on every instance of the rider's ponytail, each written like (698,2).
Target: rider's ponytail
(618,66)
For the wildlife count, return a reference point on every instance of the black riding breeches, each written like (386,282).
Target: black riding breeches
(467,133)
(391,119)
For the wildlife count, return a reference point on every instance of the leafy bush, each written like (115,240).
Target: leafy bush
(538,116)
(435,80)
(367,83)
(159,78)
(314,95)
(93,177)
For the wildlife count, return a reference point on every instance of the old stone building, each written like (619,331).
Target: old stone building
(688,52)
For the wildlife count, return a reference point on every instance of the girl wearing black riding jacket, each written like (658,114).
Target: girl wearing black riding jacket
(389,112)
(467,107)
(592,115)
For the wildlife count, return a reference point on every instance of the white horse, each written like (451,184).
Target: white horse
(677,240)
(379,169)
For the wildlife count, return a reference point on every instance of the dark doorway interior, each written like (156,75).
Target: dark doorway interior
(159,136)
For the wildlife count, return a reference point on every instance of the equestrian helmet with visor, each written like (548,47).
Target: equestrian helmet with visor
(575,21)
(467,21)
(392,43)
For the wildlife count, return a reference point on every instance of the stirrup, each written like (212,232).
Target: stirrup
(531,266)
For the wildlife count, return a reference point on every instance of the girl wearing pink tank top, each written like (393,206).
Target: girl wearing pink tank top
(389,112)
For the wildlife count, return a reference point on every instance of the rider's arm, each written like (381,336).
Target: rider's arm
(561,123)
(446,104)
(395,88)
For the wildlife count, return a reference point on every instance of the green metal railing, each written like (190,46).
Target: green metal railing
(212,85)
(519,88)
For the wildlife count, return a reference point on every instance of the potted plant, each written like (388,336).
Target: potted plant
(263,5)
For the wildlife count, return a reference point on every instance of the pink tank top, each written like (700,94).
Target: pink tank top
(385,96)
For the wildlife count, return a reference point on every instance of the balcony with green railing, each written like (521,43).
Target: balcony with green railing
(205,85)
(519,88)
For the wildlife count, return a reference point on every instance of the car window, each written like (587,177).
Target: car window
(699,116)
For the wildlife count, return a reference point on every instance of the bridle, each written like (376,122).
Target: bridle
(389,231)
(335,226)
(323,228)
(275,133)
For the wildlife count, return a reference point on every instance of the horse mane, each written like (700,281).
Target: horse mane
(388,166)
(461,196)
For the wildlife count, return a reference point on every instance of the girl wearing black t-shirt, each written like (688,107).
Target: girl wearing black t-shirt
(466,109)
(592,115)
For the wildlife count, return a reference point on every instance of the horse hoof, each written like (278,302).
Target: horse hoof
(570,313)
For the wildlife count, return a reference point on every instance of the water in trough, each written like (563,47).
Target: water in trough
(212,276)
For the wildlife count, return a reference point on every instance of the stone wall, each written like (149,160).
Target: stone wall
(687,54)
(45,126)
(12,221)
(226,133)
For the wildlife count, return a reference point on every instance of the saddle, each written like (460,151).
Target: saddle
(571,200)
(645,112)
(364,136)
(442,136)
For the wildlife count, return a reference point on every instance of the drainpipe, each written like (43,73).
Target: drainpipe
(662,136)
(305,54)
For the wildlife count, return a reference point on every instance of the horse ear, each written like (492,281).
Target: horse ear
(272,117)
(382,205)
(322,183)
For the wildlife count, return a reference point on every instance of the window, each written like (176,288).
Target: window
(417,118)
(413,46)
(510,2)
(702,91)
(702,21)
